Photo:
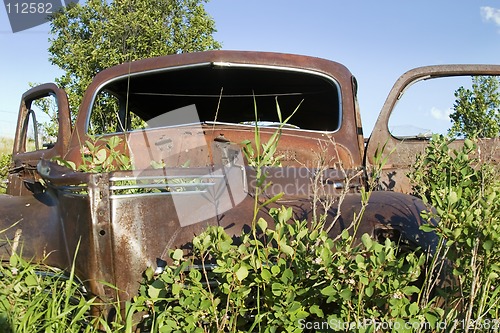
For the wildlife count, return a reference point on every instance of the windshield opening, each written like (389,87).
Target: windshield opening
(221,94)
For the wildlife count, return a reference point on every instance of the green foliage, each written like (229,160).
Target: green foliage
(293,277)
(477,111)
(288,277)
(98,34)
(282,275)
(263,155)
(5,160)
(36,298)
(101,154)
(464,193)
(104,155)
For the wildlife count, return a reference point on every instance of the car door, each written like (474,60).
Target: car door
(34,141)
(430,107)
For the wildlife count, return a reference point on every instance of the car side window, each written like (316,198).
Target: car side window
(40,124)
(111,114)
(456,105)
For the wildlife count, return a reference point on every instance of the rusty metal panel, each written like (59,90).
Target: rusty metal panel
(35,219)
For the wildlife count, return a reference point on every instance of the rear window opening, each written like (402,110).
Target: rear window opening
(227,93)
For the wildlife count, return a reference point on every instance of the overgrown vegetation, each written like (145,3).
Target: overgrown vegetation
(464,189)
(5,153)
(4,170)
(37,298)
(289,278)
(32,302)
(100,154)
(288,275)
(282,275)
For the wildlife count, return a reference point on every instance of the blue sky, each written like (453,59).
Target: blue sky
(376,40)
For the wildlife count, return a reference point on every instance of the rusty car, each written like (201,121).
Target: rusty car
(180,120)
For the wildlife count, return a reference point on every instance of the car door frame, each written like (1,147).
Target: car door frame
(401,153)
(22,174)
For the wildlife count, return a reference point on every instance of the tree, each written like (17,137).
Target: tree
(99,34)
(477,111)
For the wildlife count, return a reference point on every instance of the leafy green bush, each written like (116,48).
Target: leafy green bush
(285,276)
(290,278)
(100,154)
(465,192)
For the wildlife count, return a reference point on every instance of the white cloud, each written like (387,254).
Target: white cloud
(491,14)
(441,114)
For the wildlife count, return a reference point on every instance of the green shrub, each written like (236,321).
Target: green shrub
(465,192)
(289,279)
(292,277)
(99,154)
(287,275)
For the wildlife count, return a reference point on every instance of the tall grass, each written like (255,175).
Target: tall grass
(36,298)
(6,145)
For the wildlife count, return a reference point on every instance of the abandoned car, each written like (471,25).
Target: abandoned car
(155,155)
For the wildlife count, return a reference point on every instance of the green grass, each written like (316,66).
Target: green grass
(6,145)
(5,153)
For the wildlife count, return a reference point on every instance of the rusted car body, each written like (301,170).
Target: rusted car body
(211,101)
